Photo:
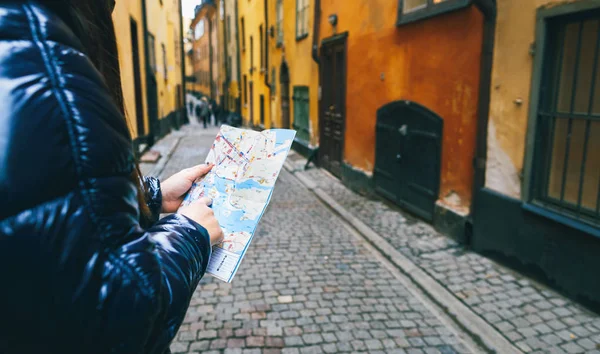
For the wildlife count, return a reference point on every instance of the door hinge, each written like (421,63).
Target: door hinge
(320,93)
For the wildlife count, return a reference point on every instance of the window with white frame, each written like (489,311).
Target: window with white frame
(414,10)
(301,18)
(279,22)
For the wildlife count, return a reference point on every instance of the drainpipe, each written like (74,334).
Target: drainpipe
(488,9)
(267,83)
(182,61)
(316,27)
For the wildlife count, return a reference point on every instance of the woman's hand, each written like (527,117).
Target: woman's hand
(200,212)
(175,187)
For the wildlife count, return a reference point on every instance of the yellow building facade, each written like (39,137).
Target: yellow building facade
(150,54)
(203,47)
(188,49)
(279,77)
(256,92)
(229,55)
(130,38)
(294,72)
(164,25)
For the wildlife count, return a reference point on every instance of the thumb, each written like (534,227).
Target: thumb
(205,200)
(193,173)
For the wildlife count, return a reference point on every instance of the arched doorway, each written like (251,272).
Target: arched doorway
(284,82)
(408,153)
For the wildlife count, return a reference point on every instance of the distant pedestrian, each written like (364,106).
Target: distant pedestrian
(205,112)
(199,104)
(86,265)
(216,111)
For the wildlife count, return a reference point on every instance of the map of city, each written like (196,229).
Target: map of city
(247,164)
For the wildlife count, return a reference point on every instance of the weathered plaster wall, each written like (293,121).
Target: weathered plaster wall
(434,62)
(511,88)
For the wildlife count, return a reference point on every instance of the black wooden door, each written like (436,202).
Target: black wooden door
(408,156)
(333,105)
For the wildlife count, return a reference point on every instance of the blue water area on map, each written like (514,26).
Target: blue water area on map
(282,135)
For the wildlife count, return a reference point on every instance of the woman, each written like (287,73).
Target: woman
(85,266)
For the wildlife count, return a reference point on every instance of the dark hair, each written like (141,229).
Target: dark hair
(91,21)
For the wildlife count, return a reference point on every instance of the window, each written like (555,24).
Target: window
(177,47)
(414,10)
(199,30)
(279,22)
(566,163)
(164,58)
(245,89)
(243,35)
(301,19)
(262,49)
(301,112)
(151,53)
(273,82)
(228,29)
(251,55)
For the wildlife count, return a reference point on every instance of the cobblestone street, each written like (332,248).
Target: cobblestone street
(312,284)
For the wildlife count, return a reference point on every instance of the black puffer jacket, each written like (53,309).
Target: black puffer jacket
(77,272)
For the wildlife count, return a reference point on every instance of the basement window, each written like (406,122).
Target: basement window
(416,10)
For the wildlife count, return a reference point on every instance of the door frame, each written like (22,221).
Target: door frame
(334,40)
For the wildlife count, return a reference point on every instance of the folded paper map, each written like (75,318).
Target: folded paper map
(247,164)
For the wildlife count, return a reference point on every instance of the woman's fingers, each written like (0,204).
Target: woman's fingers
(205,200)
(193,173)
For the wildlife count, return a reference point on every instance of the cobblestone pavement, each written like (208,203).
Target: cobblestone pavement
(307,285)
(529,315)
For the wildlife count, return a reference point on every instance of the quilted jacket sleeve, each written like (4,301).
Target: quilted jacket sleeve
(103,283)
(153,197)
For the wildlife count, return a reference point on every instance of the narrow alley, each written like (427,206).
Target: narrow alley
(313,281)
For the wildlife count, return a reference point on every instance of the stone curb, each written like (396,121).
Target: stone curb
(478,328)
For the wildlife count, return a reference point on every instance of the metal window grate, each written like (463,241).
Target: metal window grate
(568,158)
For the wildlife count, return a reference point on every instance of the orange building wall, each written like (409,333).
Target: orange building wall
(434,62)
